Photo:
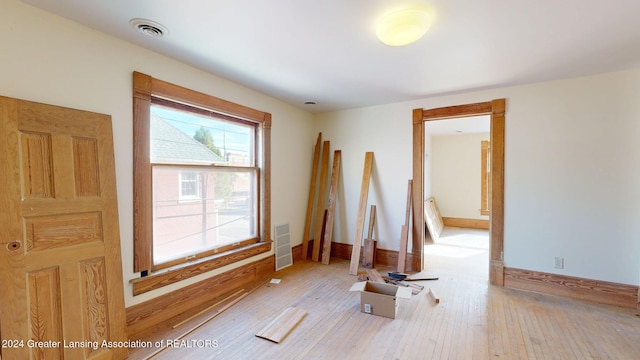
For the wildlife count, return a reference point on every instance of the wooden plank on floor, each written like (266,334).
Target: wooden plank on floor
(282,325)
(375,276)
(411,285)
(364,194)
(333,193)
(435,298)
(320,207)
(422,278)
(200,324)
(404,234)
(312,195)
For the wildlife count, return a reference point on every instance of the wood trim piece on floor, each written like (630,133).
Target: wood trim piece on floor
(143,316)
(602,292)
(282,325)
(466,223)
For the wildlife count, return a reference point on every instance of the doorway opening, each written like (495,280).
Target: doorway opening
(457,175)
(423,118)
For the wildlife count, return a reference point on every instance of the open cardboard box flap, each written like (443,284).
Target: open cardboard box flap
(399,291)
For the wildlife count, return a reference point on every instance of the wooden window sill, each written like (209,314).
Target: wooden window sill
(185,271)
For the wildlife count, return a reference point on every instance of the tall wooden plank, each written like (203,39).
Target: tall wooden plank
(320,206)
(402,253)
(407,216)
(368,258)
(364,194)
(333,193)
(418,227)
(404,235)
(372,221)
(312,195)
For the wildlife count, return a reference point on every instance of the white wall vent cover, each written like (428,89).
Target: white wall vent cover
(283,247)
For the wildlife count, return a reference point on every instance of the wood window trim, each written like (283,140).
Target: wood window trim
(144,87)
(485,177)
(496,109)
(164,278)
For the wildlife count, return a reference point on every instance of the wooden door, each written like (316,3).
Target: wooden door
(61,290)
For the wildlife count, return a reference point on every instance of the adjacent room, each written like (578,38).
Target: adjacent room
(422,179)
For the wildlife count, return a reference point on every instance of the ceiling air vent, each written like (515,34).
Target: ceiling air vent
(149,28)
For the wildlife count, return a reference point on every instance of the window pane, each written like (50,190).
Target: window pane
(222,214)
(180,137)
(189,185)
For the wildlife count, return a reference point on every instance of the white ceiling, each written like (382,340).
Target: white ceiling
(326,51)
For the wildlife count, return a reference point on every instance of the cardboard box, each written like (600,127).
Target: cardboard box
(380,299)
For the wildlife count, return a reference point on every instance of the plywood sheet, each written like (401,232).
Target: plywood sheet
(433,218)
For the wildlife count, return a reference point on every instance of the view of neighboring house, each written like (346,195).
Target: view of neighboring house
(169,145)
(182,194)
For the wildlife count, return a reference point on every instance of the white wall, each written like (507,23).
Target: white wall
(455,174)
(571,172)
(48,59)
(385,130)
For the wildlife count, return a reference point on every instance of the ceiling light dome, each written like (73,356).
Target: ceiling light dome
(404,26)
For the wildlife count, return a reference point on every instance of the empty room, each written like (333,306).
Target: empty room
(420,179)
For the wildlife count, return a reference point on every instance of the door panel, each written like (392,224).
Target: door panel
(62,282)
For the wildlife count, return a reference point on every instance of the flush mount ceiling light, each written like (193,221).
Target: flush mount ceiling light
(403,26)
(148,27)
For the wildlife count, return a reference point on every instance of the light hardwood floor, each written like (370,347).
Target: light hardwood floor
(472,321)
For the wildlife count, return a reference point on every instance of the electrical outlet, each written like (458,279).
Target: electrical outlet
(559,263)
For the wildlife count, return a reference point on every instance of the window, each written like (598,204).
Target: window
(201,179)
(485,176)
(189,185)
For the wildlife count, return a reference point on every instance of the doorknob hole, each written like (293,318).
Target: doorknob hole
(14,245)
